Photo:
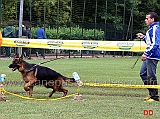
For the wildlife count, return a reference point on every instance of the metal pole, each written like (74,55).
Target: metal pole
(57,27)
(57,20)
(105,30)
(30,18)
(84,6)
(44,14)
(20,24)
(105,25)
(30,10)
(132,18)
(124,18)
(71,22)
(70,26)
(95,20)
(16,10)
(116,22)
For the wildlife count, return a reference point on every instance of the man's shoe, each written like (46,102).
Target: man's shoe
(152,100)
(43,56)
(36,54)
(24,54)
(29,57)
(147,98)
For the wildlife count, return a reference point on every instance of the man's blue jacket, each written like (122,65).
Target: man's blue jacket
(152,39)
(41,34)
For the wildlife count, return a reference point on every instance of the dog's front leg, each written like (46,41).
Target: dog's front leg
(26,86)
(29,87)
(30,91)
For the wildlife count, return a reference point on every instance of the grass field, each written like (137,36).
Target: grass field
(97,103)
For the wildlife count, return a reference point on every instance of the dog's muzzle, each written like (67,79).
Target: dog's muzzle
(13,67)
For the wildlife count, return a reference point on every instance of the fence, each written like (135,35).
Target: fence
(87,14)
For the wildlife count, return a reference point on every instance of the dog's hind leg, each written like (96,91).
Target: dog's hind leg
(51,93)
(64,91)
(58,87)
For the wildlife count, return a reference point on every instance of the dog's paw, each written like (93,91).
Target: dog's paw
(26,88)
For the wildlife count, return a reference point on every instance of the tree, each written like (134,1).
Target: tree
(8,10)
(59,12)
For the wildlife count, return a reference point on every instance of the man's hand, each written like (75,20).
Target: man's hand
(143,58)
(140,35)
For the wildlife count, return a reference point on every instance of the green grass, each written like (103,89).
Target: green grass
(98,103)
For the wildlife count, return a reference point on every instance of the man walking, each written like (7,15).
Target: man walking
(8,32)
(151,56)
(26,51)
(17,36)
(41,35)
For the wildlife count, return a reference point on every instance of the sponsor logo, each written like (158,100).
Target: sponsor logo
(55,43)
(90,45)
(21,42)
(125,45)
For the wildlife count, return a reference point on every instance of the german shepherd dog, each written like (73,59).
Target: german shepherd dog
(34,74)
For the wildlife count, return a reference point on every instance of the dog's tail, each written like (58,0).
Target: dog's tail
(69,80)
(76,79)
(73,80)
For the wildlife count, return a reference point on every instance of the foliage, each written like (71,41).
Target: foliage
(50,10)
(74,33)
(8,10)
(68,11)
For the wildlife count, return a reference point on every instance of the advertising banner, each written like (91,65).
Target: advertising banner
(136,46)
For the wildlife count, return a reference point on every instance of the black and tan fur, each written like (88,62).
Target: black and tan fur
(34,74)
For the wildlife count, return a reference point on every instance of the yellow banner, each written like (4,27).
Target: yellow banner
(136,46)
